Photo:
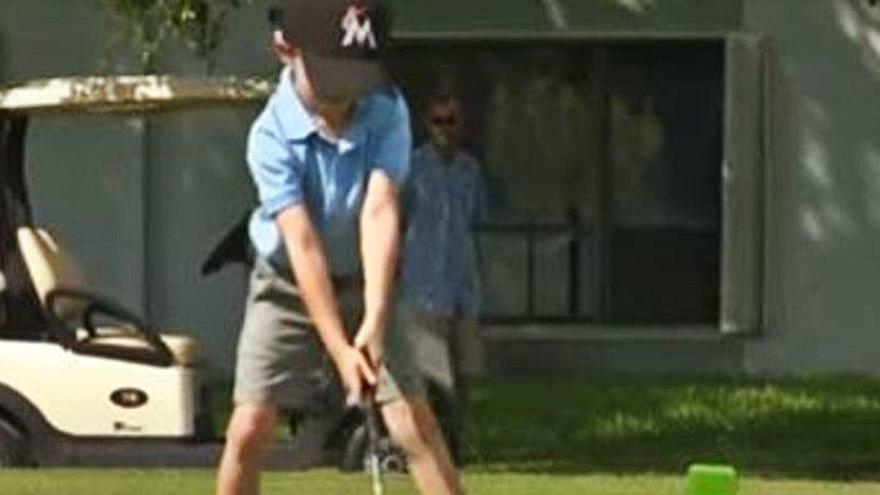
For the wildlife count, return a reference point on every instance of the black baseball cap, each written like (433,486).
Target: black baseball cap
(342,42)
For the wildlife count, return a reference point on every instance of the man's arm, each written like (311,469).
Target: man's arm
(380,238)
(306,255)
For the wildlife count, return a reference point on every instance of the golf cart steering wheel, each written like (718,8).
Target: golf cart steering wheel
(95,305)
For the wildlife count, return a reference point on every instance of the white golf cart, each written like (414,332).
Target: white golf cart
(82,380)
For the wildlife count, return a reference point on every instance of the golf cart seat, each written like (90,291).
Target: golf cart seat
(77,315)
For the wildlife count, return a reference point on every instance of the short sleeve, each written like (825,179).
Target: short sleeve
(392,139)
(275,170)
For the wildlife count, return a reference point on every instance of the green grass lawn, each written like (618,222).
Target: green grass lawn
(817,436)
(318,482)
(826,428)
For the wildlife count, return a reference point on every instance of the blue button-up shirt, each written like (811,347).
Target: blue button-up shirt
(292,164)
(442,204)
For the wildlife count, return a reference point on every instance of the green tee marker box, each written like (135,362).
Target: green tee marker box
(711,479)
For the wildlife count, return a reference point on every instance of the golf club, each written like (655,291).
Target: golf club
(373,435)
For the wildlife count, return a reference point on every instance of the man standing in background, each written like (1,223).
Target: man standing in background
(443,201)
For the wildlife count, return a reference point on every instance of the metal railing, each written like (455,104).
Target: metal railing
(533,233)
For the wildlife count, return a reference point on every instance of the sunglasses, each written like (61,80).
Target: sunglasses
(444,121)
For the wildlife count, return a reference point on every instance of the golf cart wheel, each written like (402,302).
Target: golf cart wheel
(393,462)
(11,446)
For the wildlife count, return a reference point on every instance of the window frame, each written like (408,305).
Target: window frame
(743,167)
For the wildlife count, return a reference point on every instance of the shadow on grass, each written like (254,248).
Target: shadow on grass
(824,428)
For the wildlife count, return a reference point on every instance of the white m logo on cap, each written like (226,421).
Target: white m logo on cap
(358,29)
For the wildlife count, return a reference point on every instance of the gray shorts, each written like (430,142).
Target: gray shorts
(444,348)
(281,361)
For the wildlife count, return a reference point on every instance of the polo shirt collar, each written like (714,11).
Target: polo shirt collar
(355,136)
(438,160)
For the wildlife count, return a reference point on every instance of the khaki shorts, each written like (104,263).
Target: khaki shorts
(444,349)
(281,361)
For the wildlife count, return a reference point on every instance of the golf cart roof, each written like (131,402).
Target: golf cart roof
(131,94)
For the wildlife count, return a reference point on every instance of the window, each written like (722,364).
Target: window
(603,161)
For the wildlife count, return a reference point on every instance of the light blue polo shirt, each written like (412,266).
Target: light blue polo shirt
(292,164)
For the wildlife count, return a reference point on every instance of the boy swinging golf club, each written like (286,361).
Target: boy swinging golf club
(327,156)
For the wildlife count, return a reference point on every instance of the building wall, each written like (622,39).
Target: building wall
(544,15)
(199,187)
(823,232)
(142,202)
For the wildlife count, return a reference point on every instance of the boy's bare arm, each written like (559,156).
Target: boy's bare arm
(306,255)
(380,238)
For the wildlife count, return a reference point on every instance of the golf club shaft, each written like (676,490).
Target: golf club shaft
(372,414)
